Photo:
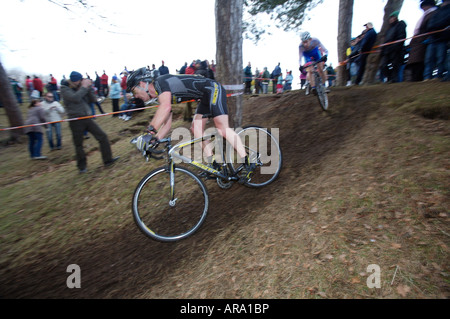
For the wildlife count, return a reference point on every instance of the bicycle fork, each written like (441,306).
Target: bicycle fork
(173,200)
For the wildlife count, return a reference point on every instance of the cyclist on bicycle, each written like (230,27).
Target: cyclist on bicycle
(311,49)
(172,89)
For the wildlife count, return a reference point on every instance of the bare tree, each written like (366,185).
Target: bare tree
(344,36)
(374,59)
(229,52)
(9,102)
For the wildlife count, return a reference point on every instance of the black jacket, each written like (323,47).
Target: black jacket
(397,31)
(439,21)
(369,40)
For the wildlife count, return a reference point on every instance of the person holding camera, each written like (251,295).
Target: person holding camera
(77,94)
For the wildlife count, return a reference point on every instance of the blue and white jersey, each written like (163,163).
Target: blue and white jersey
(314,52)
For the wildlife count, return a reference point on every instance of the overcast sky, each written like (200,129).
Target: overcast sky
(38,36)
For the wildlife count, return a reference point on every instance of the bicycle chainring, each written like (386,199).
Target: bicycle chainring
(224,184)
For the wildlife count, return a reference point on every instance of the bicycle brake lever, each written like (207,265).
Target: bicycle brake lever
(152,151)
(155,157)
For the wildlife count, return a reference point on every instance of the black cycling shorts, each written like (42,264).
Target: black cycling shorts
(215,103)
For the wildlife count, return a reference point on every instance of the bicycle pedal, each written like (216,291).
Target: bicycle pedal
(246,178)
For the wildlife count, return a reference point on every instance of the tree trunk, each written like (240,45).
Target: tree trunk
(9,103)
(373,60)
(229,52)
(344,37)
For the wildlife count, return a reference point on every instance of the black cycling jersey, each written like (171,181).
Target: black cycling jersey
(212,96)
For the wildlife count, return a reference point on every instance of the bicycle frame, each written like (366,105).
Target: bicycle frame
(174,153)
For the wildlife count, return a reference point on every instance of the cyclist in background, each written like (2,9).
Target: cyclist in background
(172,89)
(311,49)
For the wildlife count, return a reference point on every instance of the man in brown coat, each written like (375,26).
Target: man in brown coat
(416,60)
(77,94)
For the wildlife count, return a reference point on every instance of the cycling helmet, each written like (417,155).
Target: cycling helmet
(305,36)
(142,74)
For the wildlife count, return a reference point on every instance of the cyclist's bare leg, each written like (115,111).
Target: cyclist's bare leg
(309,77)
(198,129)
(320,67)
(221,123)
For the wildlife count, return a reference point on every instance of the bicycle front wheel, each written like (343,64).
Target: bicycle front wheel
(264,150)
(166,211)
(321,94)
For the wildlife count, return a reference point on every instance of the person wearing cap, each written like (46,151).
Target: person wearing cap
(392,53)
(77,94)
(365,47)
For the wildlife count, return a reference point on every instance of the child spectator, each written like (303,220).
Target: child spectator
(36,115)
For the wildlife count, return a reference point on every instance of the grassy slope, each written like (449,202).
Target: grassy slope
(381,197)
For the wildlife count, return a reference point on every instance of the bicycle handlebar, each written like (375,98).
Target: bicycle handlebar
(152,151)
(313,63)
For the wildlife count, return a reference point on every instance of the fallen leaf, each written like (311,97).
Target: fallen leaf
(356,280)
(322,294)
(403,290)
(396,246)
(328,256)
(312,290)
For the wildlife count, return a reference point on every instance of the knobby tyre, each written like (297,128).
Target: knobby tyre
(168,217)
(321,94)
(263,149)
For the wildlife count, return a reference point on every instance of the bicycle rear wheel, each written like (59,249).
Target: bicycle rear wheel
(263,149)
(321,93)
(166,213)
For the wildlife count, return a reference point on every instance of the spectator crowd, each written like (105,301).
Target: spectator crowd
(426,57)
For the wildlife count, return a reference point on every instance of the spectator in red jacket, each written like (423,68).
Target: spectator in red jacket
(104,84)
(38,85)
(29,86)
(191,68)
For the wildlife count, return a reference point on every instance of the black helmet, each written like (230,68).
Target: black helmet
(142,74)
